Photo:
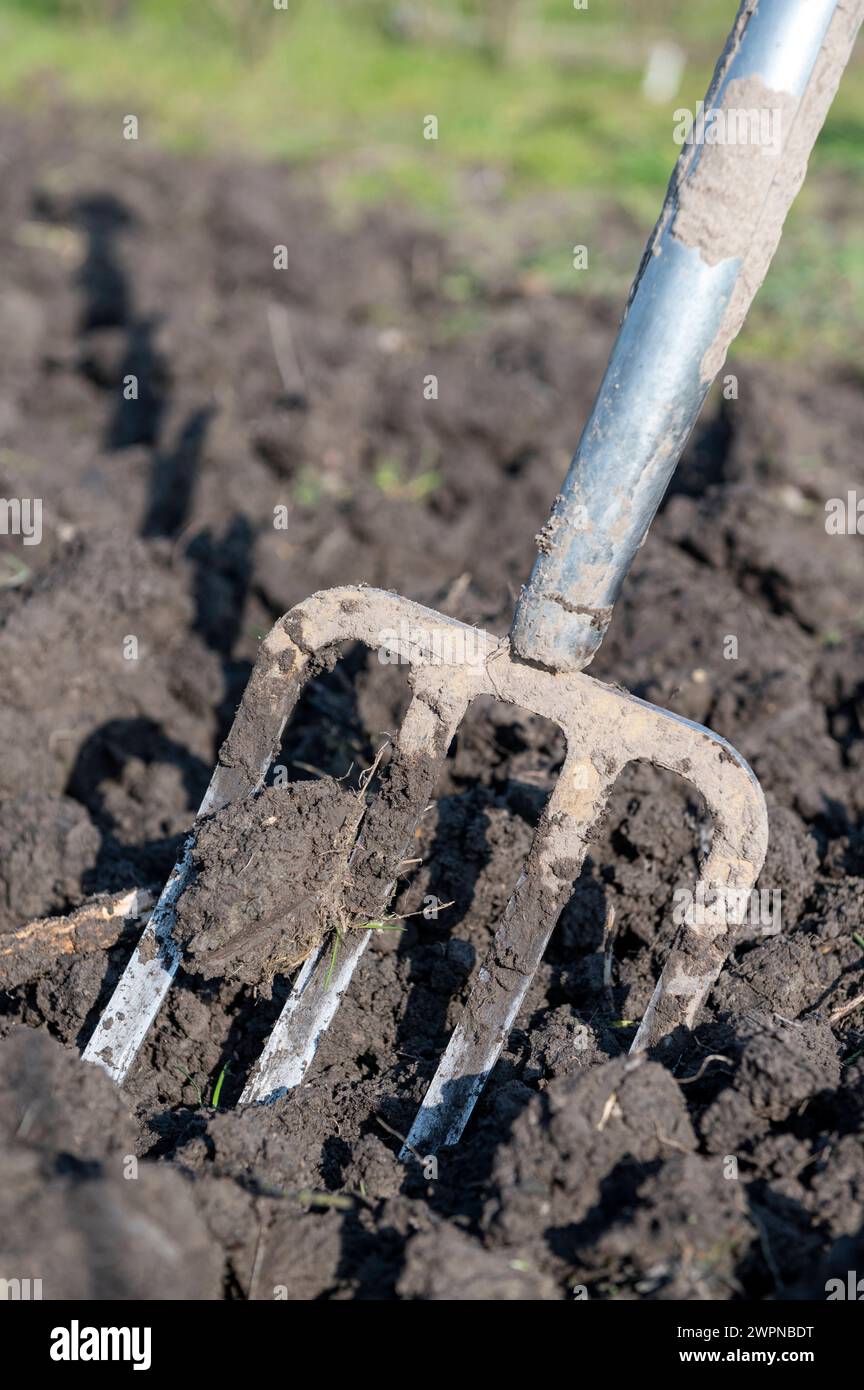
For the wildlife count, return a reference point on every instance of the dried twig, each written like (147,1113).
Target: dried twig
(400,1137)
(608,950)
(846,1009)
(96,926)
(609,1109)
(714,1057)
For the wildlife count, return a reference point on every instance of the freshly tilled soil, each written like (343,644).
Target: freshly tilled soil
(735,1169)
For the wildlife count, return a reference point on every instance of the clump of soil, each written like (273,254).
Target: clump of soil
(684,1234)
(446,1264)
(577,1169)
(77,1210)
(781,1065)
(50,846)
(585,1146)
(269,872)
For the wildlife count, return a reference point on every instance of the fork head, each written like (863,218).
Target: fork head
(451,665)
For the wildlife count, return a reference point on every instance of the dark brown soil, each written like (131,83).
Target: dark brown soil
(265,871)
(735,1170)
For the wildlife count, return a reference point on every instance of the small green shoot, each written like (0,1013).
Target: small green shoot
(389,480)
(388,477)
(424,484)
(17,573)
(307,490)
(332,966)
(194,1084)
(217,1089)
(858,939)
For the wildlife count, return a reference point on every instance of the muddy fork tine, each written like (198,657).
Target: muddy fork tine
(546,882)
(268,700)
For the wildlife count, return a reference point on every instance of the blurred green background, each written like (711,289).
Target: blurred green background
(549,131)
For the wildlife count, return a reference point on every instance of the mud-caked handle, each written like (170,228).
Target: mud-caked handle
(743,161)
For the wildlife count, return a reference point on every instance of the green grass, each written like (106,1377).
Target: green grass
(193,1083)
(217,1089)
(333,957)
(13,573)
(328,82)
(325,83)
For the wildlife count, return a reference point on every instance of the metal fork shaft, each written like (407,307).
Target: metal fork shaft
(706,258)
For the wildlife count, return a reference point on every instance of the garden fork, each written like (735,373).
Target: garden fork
(719,227)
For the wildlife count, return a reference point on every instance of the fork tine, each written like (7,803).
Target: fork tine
(306,1015)
(700,950)
(268,700)
(554,861)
